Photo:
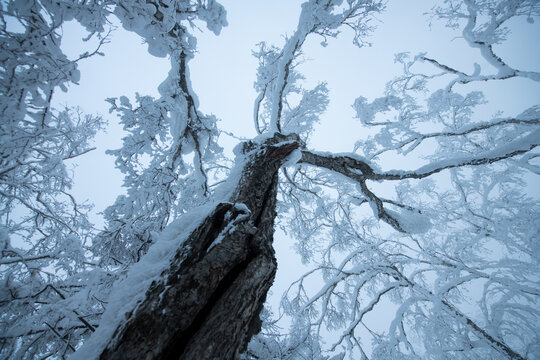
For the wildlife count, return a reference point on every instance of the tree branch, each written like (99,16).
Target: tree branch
(13,260)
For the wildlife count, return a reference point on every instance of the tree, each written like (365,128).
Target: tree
(43,230)
(449,250)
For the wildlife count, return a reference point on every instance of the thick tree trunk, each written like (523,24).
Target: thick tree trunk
(207,304)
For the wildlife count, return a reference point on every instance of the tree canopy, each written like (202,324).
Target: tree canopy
(438,258)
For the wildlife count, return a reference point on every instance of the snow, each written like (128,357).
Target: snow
(356,171)
(131,290)
(294,157)
(231,226)
(366,112)
(523,144)
(261,138)
(215,16)
(411,221)
(374,208)
(226,190)
(242,207)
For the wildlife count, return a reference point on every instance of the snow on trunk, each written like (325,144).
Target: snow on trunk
(206,304)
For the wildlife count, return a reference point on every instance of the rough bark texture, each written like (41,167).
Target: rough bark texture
(207,304)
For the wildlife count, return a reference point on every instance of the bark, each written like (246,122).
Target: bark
(207,304)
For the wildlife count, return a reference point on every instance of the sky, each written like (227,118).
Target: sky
(223,72)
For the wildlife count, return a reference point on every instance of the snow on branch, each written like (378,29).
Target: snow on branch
(164,24)
(44,230)
(357,170)
(511,149)
(321,17)
(171,145)
(360,170)
(486,25)
(473,227)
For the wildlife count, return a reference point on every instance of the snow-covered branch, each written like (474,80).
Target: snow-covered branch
(277,75)
(167,130)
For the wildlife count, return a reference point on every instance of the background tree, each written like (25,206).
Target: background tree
(43,229)
(450,249)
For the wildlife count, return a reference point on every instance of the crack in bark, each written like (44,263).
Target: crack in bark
(182,340)
(206,305)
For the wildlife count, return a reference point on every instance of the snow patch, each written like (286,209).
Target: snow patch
(231,226)
(412,222)
(294,157)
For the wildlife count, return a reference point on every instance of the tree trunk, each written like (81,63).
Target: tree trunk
(207,304)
